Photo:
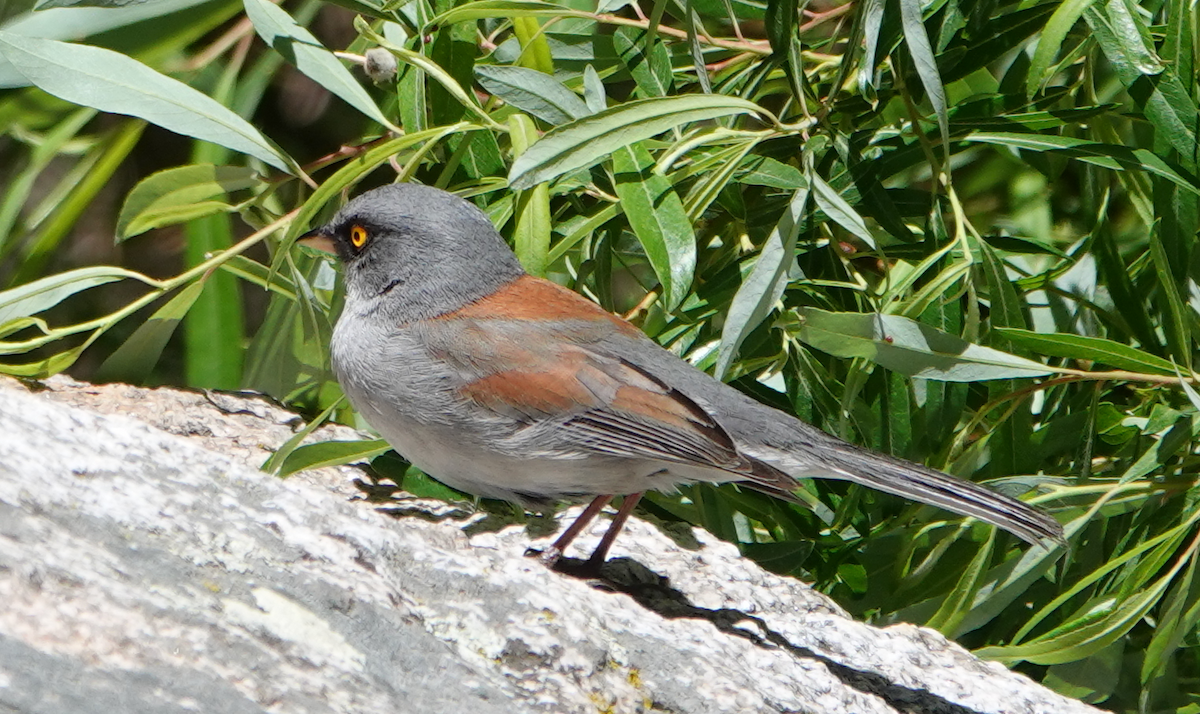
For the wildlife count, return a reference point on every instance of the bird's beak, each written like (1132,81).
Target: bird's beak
(317,240)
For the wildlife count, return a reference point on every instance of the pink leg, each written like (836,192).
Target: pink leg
(618,522)
(554,552)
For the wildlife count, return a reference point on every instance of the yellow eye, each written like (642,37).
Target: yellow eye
(358,236)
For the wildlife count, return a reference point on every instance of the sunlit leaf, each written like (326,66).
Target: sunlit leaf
(180,194)
(908,347)
(657,217)
(533,92)
(585,141)
(112,82)
(298,46)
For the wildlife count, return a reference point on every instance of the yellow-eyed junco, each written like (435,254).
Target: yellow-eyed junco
(508,386)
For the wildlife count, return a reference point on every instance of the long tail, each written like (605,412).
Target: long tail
(837,459)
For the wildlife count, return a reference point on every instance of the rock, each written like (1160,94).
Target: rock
(146,565)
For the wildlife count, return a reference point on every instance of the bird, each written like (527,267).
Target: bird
(509,386)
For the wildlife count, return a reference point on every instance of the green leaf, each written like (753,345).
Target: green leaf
(535,50)
(32,298)
(1050,43)
(532,92)
(908,347)
(133,361)
(486,9)
(957,604)
(298,46)
(872,14)
(839,211)
(180,194)
(1133,38)
(111,82)
(759,292)
(1081,347)
(73,23)
(593,91)
(1004,584)
(780,21)
(651,69)
(585,141)
(657,217)
(531,236)
(765,171)
(331,453)
(1106,155)
(1165,100)
(917,40)
(1085,635)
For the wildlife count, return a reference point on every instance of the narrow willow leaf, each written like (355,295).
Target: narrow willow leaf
(1181,614)
(780,21)
(908,347)
(1050,43)
(136,357)
(1133,36)
(1106,155)
(698,64)
(533,92)
(32,298)
(16,325)
(331,453)
(48,367)
(531,236)
(593,91)
(1166,101)
(917,40)
(1006,305)
(714,182)
(535,50)
(1004,584)
(656,214)
(1178,313)
(112,82)
(180,194)
(872,14)
(765,171)
(73,23)
(1087,634)
(1096,349)
(764,286)
(585,141)
(1161,450)
(839,211)
(258,274)
(485,9)
(586,227)
(651,69)
(282,33)
(957,604)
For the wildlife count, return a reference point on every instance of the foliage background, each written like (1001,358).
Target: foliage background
(960,232)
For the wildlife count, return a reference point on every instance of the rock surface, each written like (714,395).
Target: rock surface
(146,565)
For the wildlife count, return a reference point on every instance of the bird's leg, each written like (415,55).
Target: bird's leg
(551,555)
(627,505)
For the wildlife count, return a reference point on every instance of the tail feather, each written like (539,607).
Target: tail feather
(843,461)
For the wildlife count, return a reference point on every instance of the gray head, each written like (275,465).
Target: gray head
(429,251)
